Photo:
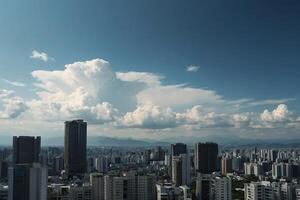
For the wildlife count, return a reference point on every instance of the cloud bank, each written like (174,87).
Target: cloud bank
(92,90)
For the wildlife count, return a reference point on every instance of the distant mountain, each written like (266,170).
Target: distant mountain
(129,142)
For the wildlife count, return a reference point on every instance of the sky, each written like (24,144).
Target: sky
(151,69)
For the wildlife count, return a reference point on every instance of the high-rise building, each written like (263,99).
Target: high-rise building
(206,157)
(180,164)
(203,184)
(178,148)
(226,166)
(145,187)
(101,164)
(75,147)
(181,170)
(221,188)
(27,182)
(210,186)
(97,183)
(259,190)
(26,149)
(129,187)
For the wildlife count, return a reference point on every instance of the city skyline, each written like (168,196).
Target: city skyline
(201,70)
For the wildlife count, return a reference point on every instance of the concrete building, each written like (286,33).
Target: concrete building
(75,159)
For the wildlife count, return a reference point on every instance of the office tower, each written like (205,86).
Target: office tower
(238,164)
(58,164)
(75,147)
(177,170)
(97,183)
(101,164)
(26,149)
(178,148)
(203,184)
(206,157)
(158,154)
(180,164)
(146,187)
(27,182)
(226,166)
(181,170)
(221,188)
(276,170)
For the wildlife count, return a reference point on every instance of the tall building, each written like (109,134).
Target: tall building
(206,157)
(178,148)
(203,184)
(259,190)
(26,149)
(27,182)
(221,188)
(226,166)
(181,170)
(129,187)
(145,187)
(180,164)
(97,183)
(209,186)
(75,147)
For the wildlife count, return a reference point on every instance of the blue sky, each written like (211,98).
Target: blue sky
(243,49)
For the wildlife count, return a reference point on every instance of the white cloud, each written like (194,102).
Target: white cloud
(14,83)
(280,114)
(192,68)
(40,56)
(11,106)
(142,77)
(150,116)
(92,90)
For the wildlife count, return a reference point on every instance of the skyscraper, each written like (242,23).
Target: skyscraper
(26,149)
(97,183)
(75,147)
(27,182)
(206,157)
(180,164)
(178,148)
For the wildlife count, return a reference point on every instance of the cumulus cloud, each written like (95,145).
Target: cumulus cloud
(280,114)
(14,83)
(92,90)
(84,89)
(150,116)
(192,68)
(40,56)
(11,106)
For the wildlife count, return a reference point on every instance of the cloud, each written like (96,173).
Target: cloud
(11,106)
(150,116)
(270,102)
(280,114)
(84,89)
(14,83)
(192,68)
(143,77)
(40,56)
(111,100)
